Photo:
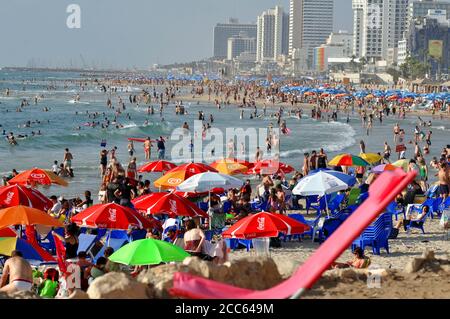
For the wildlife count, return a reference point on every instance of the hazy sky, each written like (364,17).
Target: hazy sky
(125,33)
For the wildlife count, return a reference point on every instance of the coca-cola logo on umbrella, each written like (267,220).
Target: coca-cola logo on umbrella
(9,197)
(112,214)
(173,205)
(261,221)
(37,175)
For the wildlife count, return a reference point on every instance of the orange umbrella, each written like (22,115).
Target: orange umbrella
(229,167)
(37,176)
(24,215)
(179,174)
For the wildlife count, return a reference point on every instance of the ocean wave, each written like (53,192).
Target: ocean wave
(440,128)
(78,102)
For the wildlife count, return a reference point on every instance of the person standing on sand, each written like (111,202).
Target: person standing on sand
(19,272)
(444,180)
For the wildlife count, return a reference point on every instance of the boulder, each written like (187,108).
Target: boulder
(254,273)
(159,280)
(78,294)
(117,285)
(414,265)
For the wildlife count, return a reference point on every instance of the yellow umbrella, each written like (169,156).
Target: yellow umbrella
(229,167)
(403,163)
(371,157)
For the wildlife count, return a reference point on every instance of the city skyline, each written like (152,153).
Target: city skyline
(125,34)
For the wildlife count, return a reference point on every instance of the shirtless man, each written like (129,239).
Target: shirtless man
(19,272)
(67,159)
(396,131)
(444,180)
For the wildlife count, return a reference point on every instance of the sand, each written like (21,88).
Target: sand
(402,249)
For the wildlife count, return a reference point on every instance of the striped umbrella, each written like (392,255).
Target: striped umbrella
(348,160)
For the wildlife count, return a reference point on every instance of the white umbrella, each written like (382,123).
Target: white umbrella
(205,182)
(320,184)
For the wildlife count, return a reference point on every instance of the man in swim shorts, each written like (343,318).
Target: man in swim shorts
(19,272)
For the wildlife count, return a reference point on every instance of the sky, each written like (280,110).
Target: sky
(125,33)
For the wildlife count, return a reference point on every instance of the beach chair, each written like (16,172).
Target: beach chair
(204,206)
(48,243)
(85,242)
(226,206)
(137,234)
(418,224)
(115,243)
(376,235)
(396,209)
(247,243)
(259,206)
(444,205)
(335,204)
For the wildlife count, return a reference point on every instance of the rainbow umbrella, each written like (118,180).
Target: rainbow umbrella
(403,163)
(348,160)
(9,244)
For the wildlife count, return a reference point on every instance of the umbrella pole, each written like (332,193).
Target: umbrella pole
(109,237)
(209,209)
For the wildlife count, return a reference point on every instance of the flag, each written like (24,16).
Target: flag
(60,254)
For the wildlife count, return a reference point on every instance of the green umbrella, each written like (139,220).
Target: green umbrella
(148,252)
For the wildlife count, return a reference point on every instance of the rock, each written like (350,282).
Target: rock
(286,267)
(414,265)
(159,280)
(254,273)
(78,294)
(428,255)
(117,285)
(198,266)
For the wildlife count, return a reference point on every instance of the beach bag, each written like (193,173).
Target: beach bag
(445,219)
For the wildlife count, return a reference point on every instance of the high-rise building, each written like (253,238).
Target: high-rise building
(419,8)
(429,41)
(378,26)
(270,35)
(338,45)
(224,31)
(240,44)
(310,23)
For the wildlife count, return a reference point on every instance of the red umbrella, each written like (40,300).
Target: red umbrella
(264,225)
(157,166)
(168,203)
(15,195)
(112,216)
(269,167)
(7,232)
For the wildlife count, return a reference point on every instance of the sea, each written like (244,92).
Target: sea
(59,128)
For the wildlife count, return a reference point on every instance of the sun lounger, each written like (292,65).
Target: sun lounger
(85,242)
(382,192)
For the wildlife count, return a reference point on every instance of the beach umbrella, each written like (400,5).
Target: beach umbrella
(177,175)
(14,195)
(269,167)
(371,157)
(229,167)
(347,160)
(320,184)
(148,252)
(7,232)
(204,182)
(9,244)
(347,179)
(264,225)
(37,176)
(168,203)
(156,166)
(24,215)
(403,163)
(383,167)
(111,216)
